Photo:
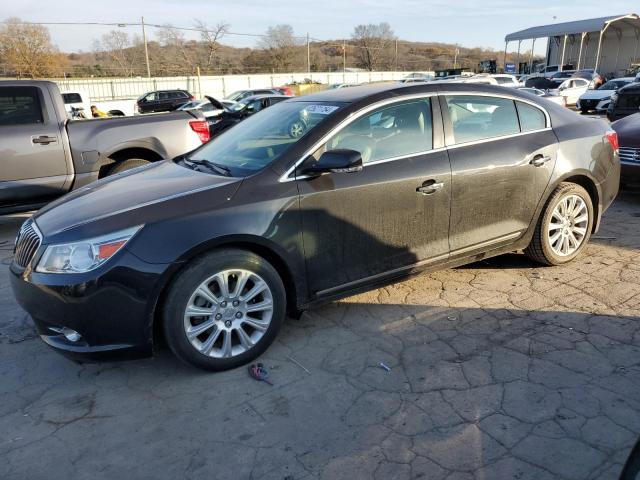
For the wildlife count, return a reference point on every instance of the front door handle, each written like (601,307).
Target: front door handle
(44,140)
(540,160)
(430,187)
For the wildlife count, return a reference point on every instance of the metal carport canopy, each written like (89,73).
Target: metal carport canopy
(569,28)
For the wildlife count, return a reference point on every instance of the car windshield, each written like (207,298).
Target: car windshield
(613,85)
(264,137)
(235,95)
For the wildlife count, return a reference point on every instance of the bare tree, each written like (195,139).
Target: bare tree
(210,39)
(121,52)
(181,55)
(373,45)
(26,50)
(281,45)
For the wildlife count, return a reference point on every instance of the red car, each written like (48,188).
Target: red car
(285,91)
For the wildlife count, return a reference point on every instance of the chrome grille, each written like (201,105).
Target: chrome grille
(27,243)
(631,155)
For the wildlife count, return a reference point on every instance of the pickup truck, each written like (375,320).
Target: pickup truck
(113,108)
(43,155)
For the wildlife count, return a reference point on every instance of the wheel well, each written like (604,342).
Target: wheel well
(126,154)
(586,183)
(265,252)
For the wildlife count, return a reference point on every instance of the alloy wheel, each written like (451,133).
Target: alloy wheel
(568,225)
(228,313)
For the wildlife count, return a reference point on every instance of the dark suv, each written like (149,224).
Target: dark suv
(163,100)
(624,102)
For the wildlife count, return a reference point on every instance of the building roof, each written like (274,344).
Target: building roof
(571,28)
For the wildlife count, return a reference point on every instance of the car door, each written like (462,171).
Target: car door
(33,163)
(502,154)
(389,217)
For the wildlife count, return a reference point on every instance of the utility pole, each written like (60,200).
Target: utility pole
(308,55)
(396,57)
(146,49)
(455,58)
(344,56)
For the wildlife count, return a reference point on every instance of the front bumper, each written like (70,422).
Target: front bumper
(111,307)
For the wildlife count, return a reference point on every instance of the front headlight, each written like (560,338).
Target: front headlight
(86,255)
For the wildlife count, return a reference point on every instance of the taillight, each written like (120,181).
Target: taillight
(612,137)
(201,127)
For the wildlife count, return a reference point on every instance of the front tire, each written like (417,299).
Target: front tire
(224,310)
(564,228)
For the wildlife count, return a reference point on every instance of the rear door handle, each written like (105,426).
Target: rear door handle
(44,140)
(430,187)
(540,160)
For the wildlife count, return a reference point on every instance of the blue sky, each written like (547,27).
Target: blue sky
(467,22)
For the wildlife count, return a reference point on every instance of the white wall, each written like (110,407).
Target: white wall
(215,86)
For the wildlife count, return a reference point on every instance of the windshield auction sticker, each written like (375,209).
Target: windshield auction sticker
(321,109)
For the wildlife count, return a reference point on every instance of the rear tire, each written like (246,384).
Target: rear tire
(127,165)
(564,228)
(236,324)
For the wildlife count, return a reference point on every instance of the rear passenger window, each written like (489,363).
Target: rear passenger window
(531,118)
(20,106)
(397,130)
(476,117)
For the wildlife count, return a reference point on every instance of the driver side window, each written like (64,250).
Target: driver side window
(396,130)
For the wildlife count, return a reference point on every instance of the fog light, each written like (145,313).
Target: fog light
(68,333)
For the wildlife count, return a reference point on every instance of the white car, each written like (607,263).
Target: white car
(506,80)
(541,93)
(79,99)
(600,99)
(206,107)
(572,89)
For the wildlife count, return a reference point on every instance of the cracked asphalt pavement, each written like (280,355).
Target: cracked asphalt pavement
(498,370)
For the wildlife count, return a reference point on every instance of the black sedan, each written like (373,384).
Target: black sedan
(628,130)
(215,248)
(626,101)
(237,112)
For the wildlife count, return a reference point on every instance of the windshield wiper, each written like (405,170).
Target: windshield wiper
(216,167)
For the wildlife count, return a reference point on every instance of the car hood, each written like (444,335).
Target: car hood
(139,195)
(597,94)
(628,130)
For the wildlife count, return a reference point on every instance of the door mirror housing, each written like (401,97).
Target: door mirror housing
(335,161)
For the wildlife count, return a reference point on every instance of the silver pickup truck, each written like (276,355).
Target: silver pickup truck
(43,155)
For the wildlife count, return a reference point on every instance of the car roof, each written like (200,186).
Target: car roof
(264,95)
(380,91)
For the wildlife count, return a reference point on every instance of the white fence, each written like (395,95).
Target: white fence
(215,86)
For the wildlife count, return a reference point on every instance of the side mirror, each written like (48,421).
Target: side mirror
(335,161)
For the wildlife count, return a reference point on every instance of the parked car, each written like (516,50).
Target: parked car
(572,89)
(550,70)
(209,107)
(285,90)
(240,95)
(628,130)
(223,242)
(163,101)
(241,110)
(599,99)
(626,101)
(44,155)
(544,94)
(79,99)
(506,80)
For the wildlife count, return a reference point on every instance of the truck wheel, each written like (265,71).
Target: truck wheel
(564,227)
(224,309)
(127,165)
